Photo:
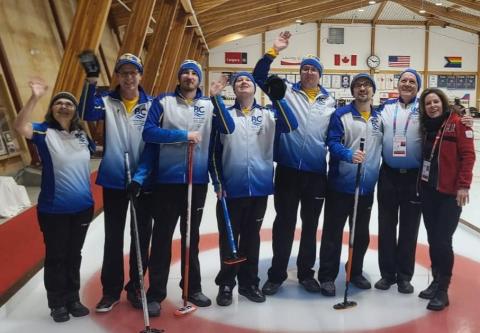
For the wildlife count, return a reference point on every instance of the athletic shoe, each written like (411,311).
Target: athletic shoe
(430,292)
(328,288)
(106,304)
(384,284)
(153,309)
(361,282)
(133,296)
(311,285)
(224,297)
(77,309)
(252,293)
(270,288)
(60,314)
(404,287)
(199,299)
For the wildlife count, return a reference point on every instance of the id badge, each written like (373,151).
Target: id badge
(399,146)
(425,170)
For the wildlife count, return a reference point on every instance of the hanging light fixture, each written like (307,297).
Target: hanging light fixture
(372,2)
(422,11)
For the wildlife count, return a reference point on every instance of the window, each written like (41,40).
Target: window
(335,35)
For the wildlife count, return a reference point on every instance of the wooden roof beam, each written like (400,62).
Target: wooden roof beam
(158,43)
(282,19)
(459,18)
(379,12)
(202,6)
(187,6)
(470,4)
(181,56)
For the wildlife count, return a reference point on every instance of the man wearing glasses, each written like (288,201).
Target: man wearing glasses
(301,173)
(124,110)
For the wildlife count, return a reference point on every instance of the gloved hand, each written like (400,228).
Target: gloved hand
(90,63)
(134,189)
(275,87)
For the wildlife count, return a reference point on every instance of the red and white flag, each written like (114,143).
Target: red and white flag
(345,60)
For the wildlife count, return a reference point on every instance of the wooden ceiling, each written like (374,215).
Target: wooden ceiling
(221,21)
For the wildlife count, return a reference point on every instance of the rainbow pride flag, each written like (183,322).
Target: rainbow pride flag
(453,62)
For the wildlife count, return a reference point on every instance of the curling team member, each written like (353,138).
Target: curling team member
(65,204)
(124,111)
(347,126)
(188,117)
(241,167)
(301,172)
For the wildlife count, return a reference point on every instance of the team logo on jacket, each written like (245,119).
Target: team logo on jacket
(256,123)
(198,115)
(139,116)
(82,139)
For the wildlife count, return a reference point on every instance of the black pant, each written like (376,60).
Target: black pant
(291,188)
(170,204)
(115,207)
(440,215)
(63,235)
(246,215)
(397,195)
(339,207)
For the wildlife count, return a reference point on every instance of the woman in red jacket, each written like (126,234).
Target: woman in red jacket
(445,178)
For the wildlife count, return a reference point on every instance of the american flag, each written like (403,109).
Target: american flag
(398,61)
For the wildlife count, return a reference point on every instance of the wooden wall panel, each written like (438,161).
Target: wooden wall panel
(32,47)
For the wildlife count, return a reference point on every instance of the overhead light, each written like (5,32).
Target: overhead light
(361,9)
(298,21)
(438,3)
(372,2)
(422,11)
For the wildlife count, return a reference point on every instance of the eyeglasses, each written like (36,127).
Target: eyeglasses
(68,105)
(127,74)
(362,84)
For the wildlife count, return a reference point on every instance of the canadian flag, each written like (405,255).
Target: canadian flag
(345,60)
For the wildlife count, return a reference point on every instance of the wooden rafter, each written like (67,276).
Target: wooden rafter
(280,20)
(202,6)
(379,12)
(471,4)
(466,21)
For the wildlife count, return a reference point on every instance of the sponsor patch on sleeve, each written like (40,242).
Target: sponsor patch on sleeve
(469,134)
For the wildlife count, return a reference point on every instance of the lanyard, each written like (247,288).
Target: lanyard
(406,124)
(437,139)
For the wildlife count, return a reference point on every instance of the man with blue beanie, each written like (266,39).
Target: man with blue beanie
(397,194)
(188,117)
(301,172)
(348,125)
(241,168)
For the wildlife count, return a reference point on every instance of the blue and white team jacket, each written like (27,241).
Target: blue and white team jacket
(304,149)
(123,131)
(346,129)
(65,158)
(393,118)
(241,164)
(170,119)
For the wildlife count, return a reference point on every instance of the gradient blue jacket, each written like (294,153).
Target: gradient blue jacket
(393,118)
(241,164)
(345,130)
(304,149)
(170,119)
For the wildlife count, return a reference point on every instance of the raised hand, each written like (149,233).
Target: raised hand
(218,85)
(39,87)
(281,42)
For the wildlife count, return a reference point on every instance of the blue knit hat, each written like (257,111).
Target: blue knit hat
(236,75)
(417,76)
(363,76)
(193,65)
(312,60)
(128,58)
